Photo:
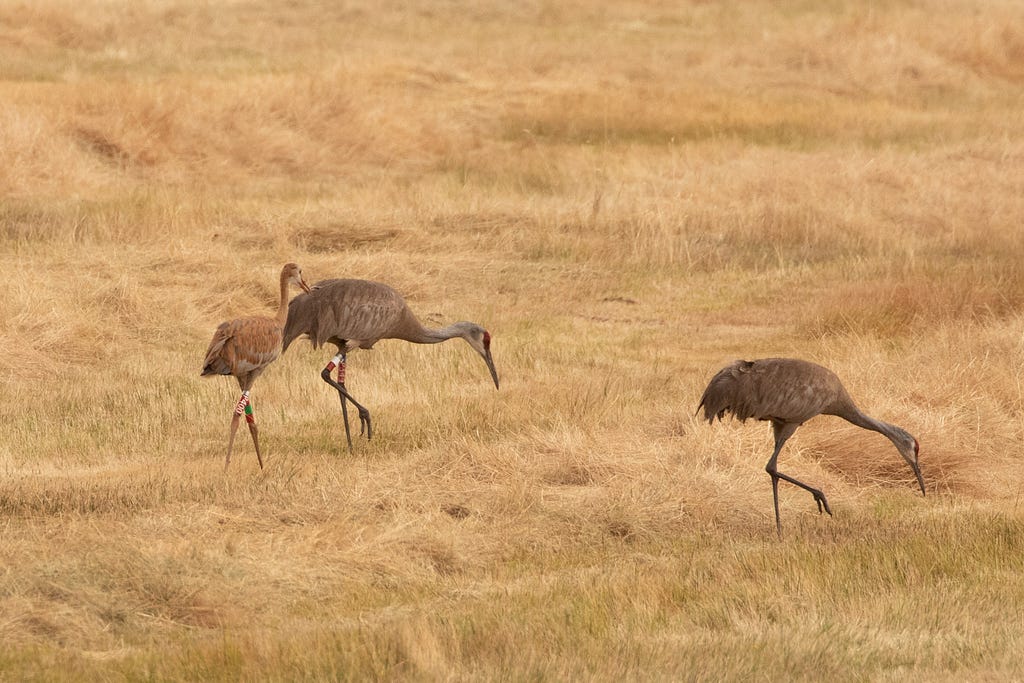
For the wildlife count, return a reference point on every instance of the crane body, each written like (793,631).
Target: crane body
(243,348)
(356,314)
(787,392)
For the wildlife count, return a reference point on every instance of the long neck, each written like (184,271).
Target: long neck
(282,308)
(424,335)
(854,415)
(900,439)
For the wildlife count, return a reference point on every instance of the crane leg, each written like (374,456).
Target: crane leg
(364,414)
(344,418)
(239,409)
(231,440)
(344,406)
(782,431)
(250,419)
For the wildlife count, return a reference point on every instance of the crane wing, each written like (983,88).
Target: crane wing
(786,389)
(243,345)
(213,364)
(350,310)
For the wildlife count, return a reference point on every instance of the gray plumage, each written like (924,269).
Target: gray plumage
(356,314)
(788,392)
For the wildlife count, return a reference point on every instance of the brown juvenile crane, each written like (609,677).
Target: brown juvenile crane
(788,392)
(244,347)
(356,314)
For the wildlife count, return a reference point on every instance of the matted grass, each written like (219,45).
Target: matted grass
(627,196)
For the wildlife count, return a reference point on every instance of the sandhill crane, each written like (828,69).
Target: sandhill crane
(356,314)
(788,392)
(244,347)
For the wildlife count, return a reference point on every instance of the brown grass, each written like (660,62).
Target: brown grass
(628,196)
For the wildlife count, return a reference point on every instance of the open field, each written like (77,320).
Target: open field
(628,196)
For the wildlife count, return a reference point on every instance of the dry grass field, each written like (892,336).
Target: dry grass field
(628,195)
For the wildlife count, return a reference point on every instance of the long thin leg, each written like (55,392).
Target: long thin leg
(344,405)
(775,497)
(364,414)
(344,408)
(339,361)
(250,419)
(239,409)
(784,430)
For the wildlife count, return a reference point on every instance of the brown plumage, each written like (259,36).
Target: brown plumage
(788,392)
(244,347)
(356,314)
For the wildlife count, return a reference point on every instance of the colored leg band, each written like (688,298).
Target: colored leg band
(338,362)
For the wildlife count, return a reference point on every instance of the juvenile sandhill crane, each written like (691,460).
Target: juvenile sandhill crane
(788,392)
(356,314)
(244,347)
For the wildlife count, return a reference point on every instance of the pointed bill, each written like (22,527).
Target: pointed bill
(920,479)
(490,366)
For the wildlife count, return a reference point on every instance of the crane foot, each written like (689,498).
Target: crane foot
(822,502)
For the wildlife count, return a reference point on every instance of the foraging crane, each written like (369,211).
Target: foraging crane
(356,314)
(788,392)
(244,347)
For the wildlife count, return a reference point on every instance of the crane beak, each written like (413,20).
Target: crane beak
(920,479)
(490,366)
(303,285)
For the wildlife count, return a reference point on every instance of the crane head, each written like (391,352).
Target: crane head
(480,340)
(909,448)
(293,275)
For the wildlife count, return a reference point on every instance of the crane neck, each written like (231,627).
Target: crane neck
(282,307)
(905,443)
(865,421)
(426,335)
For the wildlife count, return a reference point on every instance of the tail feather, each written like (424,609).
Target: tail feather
(723,394)
(214,363)
(217,366)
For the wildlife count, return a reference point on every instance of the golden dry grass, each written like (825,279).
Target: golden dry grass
(627,195)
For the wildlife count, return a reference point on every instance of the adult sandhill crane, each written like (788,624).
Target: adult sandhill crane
(356,314)
(244,347)
(788,392)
